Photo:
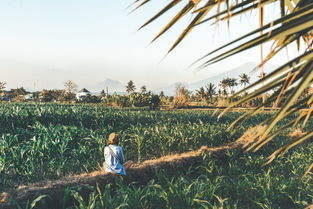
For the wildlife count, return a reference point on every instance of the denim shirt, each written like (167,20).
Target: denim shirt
(114,165)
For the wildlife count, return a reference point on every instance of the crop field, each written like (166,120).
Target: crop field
(50,141)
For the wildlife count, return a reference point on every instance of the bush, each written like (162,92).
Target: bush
(154,102)
(181,98)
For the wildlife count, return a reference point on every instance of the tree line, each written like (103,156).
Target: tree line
(209,94)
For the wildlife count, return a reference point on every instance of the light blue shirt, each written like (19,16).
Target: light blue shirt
(114,164)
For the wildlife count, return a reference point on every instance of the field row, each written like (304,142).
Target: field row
(49,141)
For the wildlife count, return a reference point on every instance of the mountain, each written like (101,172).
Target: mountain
(247,68)
(32,77)
(170,89)
(112,85)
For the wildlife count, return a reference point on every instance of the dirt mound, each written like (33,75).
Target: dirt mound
(140,173)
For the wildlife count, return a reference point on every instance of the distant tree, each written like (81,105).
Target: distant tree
(201,94)
(210,91)
(92,99)
(161,94)
(224,84)
(130,88)
(102,94)
(232,82)
(59,95)
(262,75)
(18,91)
(244,80)
(46,96)
(220,92)
(2,86)
(225,92)
(181,96)
(52,95)
(143,89)
(70,86)
(154,102)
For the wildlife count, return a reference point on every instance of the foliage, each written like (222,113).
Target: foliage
(90,99)
(181,96)
(117,100)
(130,87)
(154,102)
(244,79)
(235,181)
(139,99)
(2,86)
(103,94)
(135,99)
(49,141)
(201,94)
(18,91)
(143,89)
(70,87)
(293,25)
(224,84)
(210,91)
(51,95)
(207,93)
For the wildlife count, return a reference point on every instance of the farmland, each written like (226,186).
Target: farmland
(51,141)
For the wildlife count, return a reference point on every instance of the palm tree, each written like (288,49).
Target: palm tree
(103,94)
(293,25)
(224,84)
(220,92)
(244,79)
(201,94)
(143,89)
(232,84)
(262,75)
(210,91)
(2,86)
(130,87)
(161,94)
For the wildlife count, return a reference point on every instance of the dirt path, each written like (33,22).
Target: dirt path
(140,173)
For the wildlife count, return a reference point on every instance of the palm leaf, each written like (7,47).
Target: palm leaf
(292,78)
(179,15)
(164,10)
(196,20)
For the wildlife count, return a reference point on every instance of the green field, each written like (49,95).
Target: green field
(50,141)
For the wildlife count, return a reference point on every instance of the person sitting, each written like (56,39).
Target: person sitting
(114,157)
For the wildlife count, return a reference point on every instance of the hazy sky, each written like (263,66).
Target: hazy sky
(88,41)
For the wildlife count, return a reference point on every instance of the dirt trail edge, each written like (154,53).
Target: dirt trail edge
(140,173)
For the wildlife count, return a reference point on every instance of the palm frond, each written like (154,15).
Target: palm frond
(291,79)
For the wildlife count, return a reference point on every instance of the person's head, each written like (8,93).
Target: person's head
(113,138)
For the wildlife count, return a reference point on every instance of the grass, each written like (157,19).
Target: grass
(234,181)
(49,141)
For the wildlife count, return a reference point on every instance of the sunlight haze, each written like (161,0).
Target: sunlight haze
(44,43)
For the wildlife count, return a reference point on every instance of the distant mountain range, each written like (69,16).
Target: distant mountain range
(110,85)
(36,77)
(233,73)
(248,68)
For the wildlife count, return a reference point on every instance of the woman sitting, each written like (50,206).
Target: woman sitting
(114,157)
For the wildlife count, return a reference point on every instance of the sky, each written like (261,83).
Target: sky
(44,43)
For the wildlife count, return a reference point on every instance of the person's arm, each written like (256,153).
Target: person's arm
(106,154)
(121,156)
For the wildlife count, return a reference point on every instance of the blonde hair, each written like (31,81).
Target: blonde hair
(113,138)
